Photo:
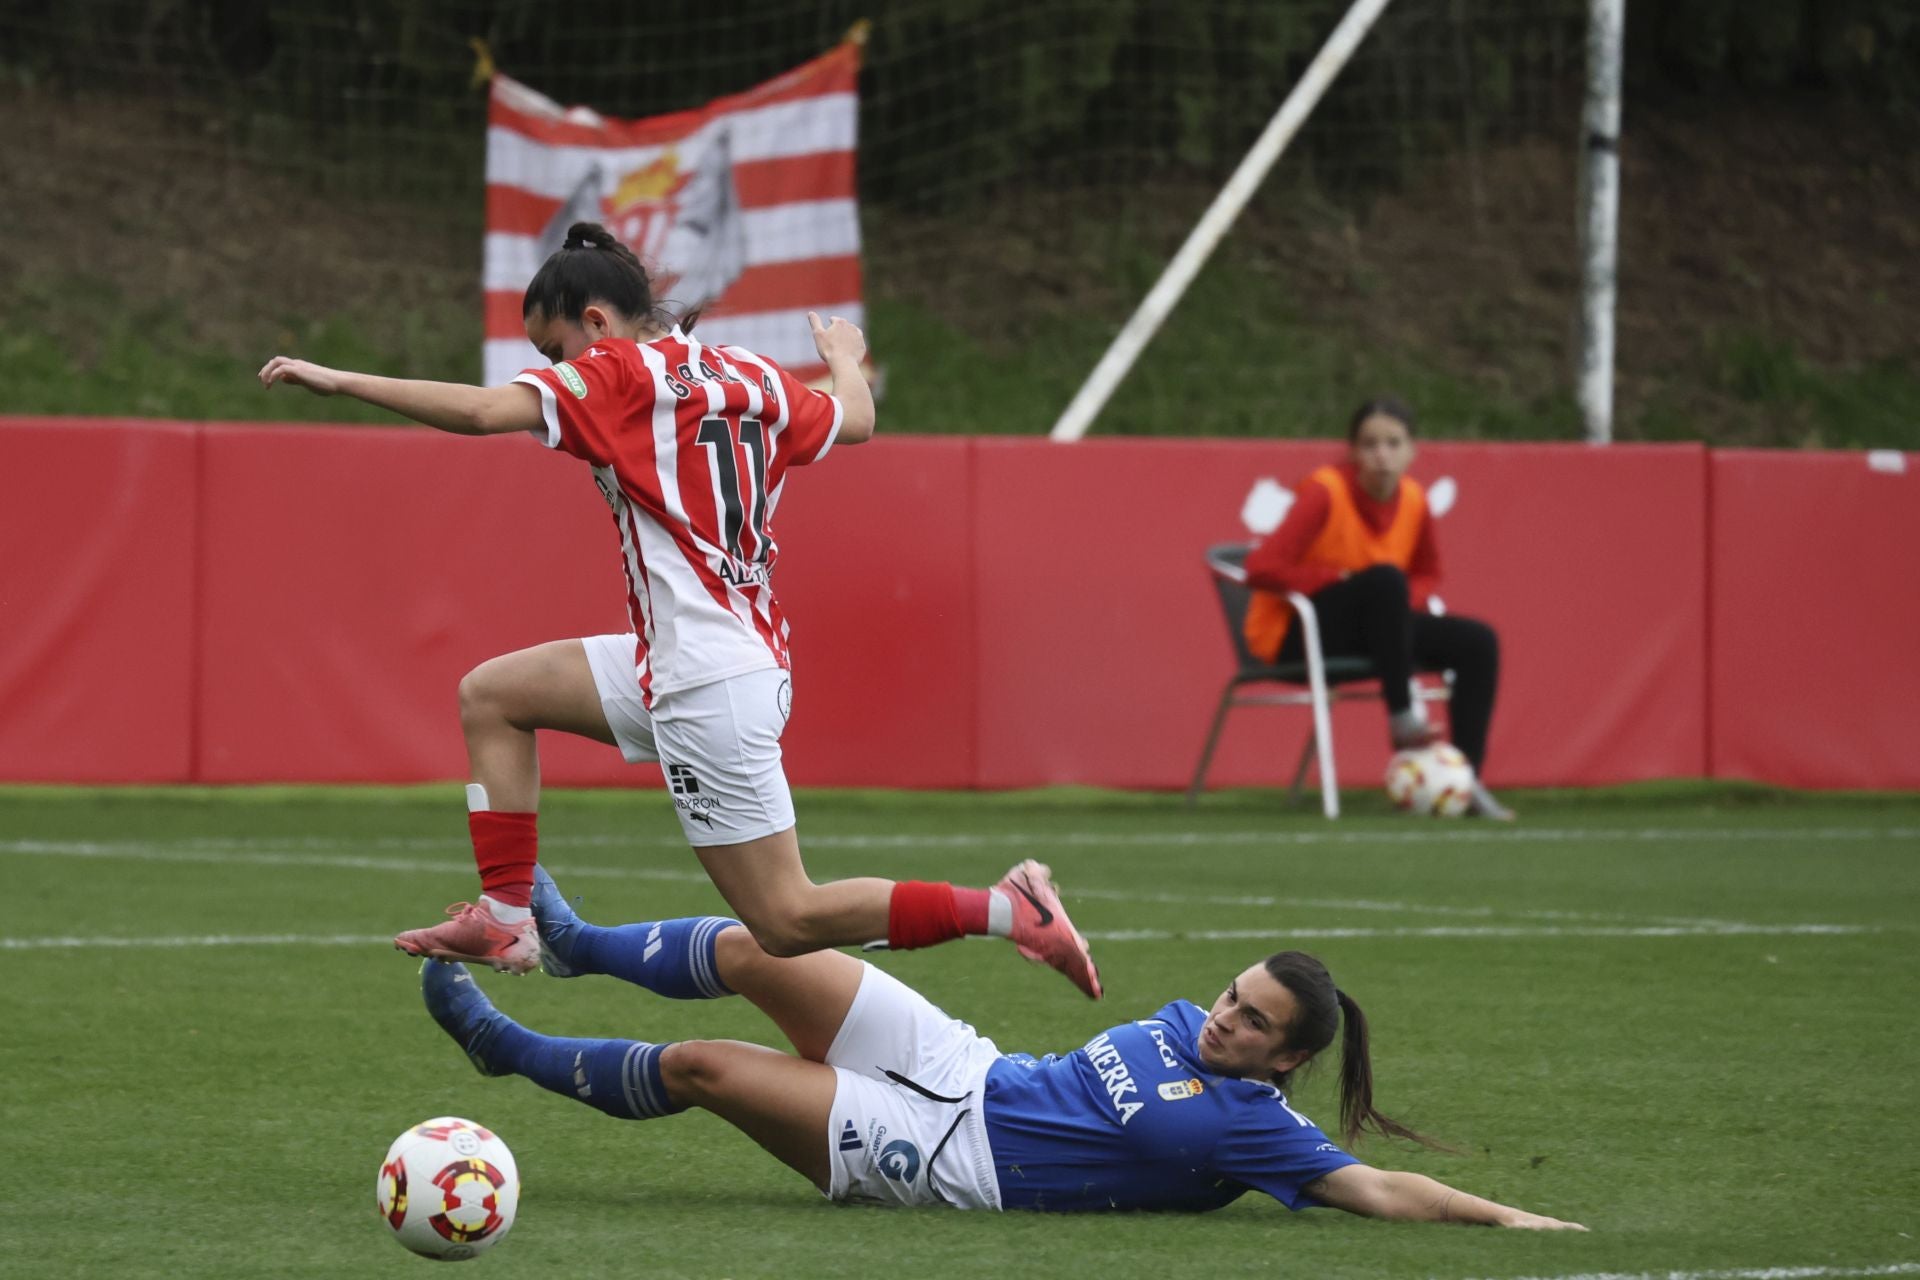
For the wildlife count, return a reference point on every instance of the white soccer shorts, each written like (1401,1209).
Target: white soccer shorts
(718,744)
(907,1126)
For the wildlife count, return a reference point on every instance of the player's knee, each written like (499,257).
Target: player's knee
(1385,581)
(692,1070)
(786,930)
(782,941)
(1483,643)
(482,695)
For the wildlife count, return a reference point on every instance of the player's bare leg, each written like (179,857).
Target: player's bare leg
(503,702)
(766,884)
(505,699)
(807,997)
(783,1103)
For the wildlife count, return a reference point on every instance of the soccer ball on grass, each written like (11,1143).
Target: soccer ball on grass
(448,1189)
(1436,781)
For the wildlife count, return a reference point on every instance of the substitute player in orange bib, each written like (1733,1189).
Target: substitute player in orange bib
(689,445)
(1358,541)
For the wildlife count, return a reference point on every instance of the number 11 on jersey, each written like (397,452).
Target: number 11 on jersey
(739,495)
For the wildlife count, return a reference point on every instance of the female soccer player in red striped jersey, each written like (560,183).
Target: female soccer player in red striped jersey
(689,445)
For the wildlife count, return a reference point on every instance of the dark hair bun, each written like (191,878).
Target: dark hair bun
(589,235)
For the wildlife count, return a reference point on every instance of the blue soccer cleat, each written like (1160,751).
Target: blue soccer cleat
(557,925)
(463,1011)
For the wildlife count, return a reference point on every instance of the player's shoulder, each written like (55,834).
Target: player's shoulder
(746,358)
(608,362)
(1183,1014)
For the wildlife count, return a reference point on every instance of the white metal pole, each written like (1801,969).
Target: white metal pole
(1600,225)
(1214,224)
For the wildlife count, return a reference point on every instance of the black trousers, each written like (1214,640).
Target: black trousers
(1368,615)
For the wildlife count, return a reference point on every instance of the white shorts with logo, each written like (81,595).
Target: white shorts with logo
(718,744)
(907,1125)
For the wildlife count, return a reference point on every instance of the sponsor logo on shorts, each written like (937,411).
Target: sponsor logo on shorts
(686,795)
(850,1138)
(570,376)
(784,698)
(1175,1090)
(899,1160)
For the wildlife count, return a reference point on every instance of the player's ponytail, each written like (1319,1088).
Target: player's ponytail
(1320,1009)
(592,266)
(1357,1111)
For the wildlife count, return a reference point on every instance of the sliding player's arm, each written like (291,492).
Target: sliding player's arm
(1414,1197)
(448,406)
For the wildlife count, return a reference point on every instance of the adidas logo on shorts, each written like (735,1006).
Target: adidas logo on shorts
(850,1138)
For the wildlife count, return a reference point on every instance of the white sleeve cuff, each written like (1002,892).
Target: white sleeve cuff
(549,411)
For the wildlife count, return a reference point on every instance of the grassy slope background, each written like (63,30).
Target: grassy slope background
(1770,289)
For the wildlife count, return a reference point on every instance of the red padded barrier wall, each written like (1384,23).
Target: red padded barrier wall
(876,581)
(254,603)
(1816,618)
(354,574)
(1102,646)
(96,600)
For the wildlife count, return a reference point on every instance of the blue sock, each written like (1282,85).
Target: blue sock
(619,1077)
(673,958)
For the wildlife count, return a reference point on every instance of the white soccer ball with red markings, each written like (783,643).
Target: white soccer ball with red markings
(1436,781)
(448,1189)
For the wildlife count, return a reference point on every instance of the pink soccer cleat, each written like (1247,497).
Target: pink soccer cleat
(474,936)
(1041,931)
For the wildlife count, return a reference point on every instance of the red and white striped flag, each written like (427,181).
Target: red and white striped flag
(744,206)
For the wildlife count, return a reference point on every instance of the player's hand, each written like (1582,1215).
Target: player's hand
(1525,1221)
(837,338)
(318,379)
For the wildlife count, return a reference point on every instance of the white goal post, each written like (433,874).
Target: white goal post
(1599,215)
(1217,220)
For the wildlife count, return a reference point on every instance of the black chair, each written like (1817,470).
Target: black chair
(1318,674)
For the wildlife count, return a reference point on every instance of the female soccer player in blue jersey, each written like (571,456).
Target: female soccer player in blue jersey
(891,1101)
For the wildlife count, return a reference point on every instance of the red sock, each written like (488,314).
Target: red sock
(922,913)
(505,847)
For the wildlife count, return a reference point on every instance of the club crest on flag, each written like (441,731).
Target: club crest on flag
(744,208)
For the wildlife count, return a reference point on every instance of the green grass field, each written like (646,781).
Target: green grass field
(1684,1017)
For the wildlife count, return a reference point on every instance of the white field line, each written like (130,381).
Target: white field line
(1434,834)
(231,854)
(1462,834)
(1369,904)
(235,854)
(1743,1273)
(1726,930)
(1111,935)
(199,940)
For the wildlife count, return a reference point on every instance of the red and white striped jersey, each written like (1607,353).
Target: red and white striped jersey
(690,445)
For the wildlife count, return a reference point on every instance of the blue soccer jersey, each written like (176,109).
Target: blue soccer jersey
(1132,1120)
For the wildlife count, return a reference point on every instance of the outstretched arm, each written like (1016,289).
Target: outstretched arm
(1414,1197)
(843,346)
(449,406)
